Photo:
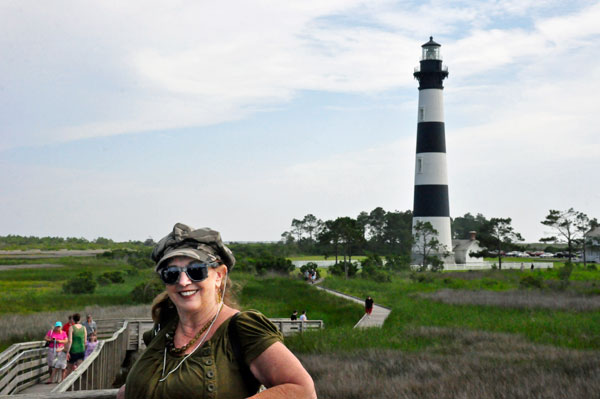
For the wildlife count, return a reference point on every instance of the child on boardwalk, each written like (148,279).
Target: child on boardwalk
(91,345)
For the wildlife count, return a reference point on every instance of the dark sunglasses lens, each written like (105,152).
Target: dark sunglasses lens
(197,271)
(170,275)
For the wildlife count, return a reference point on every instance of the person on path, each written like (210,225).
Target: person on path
(68,324)
(57,358)
(313,277)
(201,346)
(294,315)
(91,345)
(90,325)
(76,346)
(369,305)
(303,316)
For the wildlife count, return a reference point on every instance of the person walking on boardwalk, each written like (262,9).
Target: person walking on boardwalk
(369,305)
(90,325)
(201,346)
(57,357)
(76,346)
(303,316)
(294,315)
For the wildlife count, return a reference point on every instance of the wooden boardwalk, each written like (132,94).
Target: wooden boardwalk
(378,316)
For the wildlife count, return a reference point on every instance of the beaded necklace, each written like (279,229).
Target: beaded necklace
(170,339)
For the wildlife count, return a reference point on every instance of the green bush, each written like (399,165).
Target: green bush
(565,272)
(373,269)
(275,264)
(398,263)
(114,277)
(102,280)
(421,277)
(338,269)
(146,292)
(83,283)
(131,272)
(531,281)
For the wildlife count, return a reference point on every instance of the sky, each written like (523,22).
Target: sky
(119,119)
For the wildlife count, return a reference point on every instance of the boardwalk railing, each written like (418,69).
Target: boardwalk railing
(289,327)
(99,369)
(21,366)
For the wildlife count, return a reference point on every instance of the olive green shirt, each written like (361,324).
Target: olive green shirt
(211,372)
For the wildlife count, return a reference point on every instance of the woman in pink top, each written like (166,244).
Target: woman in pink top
(57,358)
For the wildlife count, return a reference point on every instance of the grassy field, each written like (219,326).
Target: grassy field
(449,335)
(38,290)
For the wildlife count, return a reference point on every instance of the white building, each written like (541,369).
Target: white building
(592,250)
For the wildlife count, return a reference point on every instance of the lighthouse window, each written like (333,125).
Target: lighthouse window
(419,165)
(421,113)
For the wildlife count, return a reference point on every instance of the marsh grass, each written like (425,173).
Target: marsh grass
(565,328)
(40,289)
(523,299)
(461,364)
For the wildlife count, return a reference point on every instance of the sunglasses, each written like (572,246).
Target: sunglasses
(196,272)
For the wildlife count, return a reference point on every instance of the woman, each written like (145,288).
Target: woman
(76,347)
(57,339)
(202,347)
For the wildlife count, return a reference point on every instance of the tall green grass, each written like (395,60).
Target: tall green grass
(579,330)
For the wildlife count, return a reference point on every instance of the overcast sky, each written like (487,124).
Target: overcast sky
(119,119)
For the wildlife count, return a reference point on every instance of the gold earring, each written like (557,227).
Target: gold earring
(219,295)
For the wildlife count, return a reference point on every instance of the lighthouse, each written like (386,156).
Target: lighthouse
(431,203)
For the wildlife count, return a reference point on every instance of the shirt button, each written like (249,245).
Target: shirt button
(210,388)
(208,362)
(210,374)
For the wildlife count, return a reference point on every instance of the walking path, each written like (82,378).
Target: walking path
(378,316)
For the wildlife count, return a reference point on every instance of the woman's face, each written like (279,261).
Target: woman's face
(192,297)
(58,329)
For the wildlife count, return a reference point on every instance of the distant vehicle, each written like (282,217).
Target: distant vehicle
(546,255)
(513,253)
(524,255)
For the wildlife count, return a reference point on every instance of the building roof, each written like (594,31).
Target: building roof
(463,245)
(431,43)
(594,232)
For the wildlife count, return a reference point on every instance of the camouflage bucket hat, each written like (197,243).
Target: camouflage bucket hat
(203,244)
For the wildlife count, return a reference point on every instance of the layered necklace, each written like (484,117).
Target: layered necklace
(170,339)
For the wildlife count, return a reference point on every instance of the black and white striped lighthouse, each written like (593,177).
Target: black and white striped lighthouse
(431,202)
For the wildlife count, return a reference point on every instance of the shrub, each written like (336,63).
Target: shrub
(275,264)
(565,272)
(83,283)
(132,271)
(398,263)
(146,292)
(114,277)
(372,268)
(531,281)
(102,280)
(592,267)
(421,277)
(338,269)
